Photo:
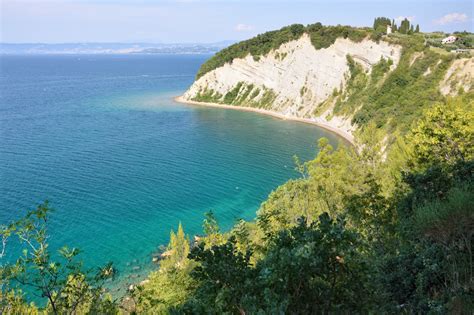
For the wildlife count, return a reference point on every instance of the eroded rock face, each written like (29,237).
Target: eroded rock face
(460,75)
(292,80)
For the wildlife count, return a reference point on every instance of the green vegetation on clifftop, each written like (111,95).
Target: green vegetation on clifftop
(321,37)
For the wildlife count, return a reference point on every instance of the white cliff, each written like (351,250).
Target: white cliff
(299,77)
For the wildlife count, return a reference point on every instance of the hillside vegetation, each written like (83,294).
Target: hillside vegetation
(373,228)
(321,37)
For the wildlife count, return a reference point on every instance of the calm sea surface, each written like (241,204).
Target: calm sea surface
(121,163)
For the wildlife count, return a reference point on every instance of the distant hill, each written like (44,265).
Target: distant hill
(113,48)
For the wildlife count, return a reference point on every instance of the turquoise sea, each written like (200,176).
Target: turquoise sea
(121,163)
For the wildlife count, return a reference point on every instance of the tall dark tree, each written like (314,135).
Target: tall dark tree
(404,26)
(381,23)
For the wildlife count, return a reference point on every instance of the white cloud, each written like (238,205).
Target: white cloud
(243,27)
(451,18)
(410,18)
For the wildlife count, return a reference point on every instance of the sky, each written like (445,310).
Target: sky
(206,21)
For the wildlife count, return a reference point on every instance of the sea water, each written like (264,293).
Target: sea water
(121,163)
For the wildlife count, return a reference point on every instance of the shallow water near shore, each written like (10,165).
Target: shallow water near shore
(122,164)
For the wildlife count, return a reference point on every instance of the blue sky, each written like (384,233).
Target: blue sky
(171,21)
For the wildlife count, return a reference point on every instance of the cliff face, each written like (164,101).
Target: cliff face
(460,75)
(344,87)
(292,80)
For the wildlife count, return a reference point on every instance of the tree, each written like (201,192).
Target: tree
(172,284)
(227,280)
(381,23)
(417,30)
(242,235)
(404,26)
(432,270)
(211,229)
(210,225)
(394,26)
(444,135)
(373,214)
(316,268)
(178,249)
(62,281)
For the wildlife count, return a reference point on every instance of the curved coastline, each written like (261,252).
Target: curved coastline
(341,133)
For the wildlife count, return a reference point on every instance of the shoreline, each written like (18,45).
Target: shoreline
(327,126)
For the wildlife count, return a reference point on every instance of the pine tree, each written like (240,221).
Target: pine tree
(182,249)
(417,30)
(210,225)
(178,249)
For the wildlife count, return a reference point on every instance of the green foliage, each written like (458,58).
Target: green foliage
(170,286)
(163,292)
(446,134)
(431,270)
(210,225)
(380,69)
(389,102)
(313,268)
(355,88)
(241,233)
(241,94)
(380,27)
(225,276)
(381,22)
(404,245)
(323,188)
(324,36)
(394,26)
(62,282)
(321,37)
(177,251)
(404,26)
(208,95)
(258,46)
(230,97)
(267,99)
